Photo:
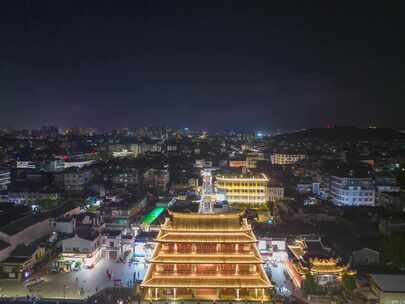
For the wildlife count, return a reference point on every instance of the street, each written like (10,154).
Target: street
(276,267)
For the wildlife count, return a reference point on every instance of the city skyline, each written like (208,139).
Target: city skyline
(202,152)
(232,65)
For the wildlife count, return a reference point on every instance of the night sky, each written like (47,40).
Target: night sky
(234,65)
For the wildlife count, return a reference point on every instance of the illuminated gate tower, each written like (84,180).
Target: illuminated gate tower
(206,257)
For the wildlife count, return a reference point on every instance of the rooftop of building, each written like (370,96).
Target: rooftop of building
(204,221)
(87,233)
(153,215)
(64,219)
(121,204)
(145,236)
(184,206)
(241,176)
(288,152)
(24,251)
(315,248)
(62,208)
(76,170)
(389,282)
(394,194)
(111,233)
(237,158)
(308,249)
(10,212)
(3,245)
(23,223)
(16,260)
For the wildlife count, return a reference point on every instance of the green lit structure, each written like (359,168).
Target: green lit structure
(153,215)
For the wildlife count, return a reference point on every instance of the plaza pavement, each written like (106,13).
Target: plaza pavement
(76,285)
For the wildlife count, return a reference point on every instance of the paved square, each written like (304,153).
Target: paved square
(80,284)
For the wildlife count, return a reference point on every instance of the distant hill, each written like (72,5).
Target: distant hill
(344,133)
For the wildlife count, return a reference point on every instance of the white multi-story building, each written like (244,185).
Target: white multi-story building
(84,247)
(4,179)
(352,190)
(286,158)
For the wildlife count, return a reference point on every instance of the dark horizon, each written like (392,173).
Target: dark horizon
(186,64)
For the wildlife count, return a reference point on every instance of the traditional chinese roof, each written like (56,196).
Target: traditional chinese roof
(205,222)
(328,268)
(314,256)
(297,251)
(205,228)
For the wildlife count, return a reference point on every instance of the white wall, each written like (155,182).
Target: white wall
(76,242)
(64,227)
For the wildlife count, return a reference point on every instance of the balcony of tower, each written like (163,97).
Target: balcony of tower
(207,249)
(213,294)
(205,270)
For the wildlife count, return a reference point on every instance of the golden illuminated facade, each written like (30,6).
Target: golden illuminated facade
(246,189)
(313,257)
(209,257)
(286,158)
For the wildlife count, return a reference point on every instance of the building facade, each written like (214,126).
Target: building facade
(209,257)
(5,179)
(276,193)
(247,189)
(82,250)
(286,158)
(310,255)
(21,262)
(387,288)
(352,191)
(74,179)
